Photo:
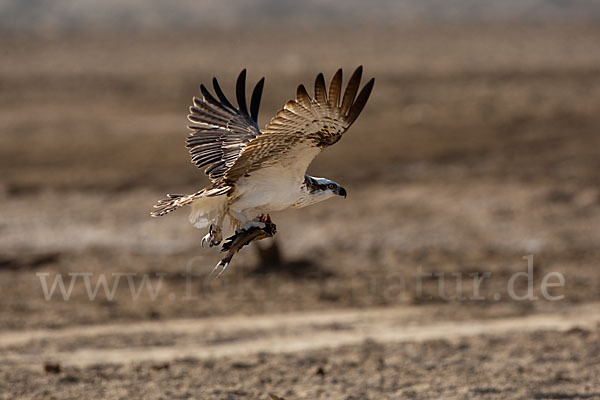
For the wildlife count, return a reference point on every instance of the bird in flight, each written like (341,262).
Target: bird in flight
(254,172)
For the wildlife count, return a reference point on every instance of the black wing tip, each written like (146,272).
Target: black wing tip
(360,101)
(240,92)
(301,89)
(216,86)
(357,73)
(241,79)
(207,96)
(367,89)
(221,95)
(320,80)
(255,99)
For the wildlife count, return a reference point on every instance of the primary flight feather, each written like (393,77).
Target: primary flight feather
(253,172)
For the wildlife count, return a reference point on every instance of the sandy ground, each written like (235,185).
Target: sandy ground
(350,354)
(478,148)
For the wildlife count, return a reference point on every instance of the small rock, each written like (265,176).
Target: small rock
(69,379)
(158,367)
(577,330)
(52,368)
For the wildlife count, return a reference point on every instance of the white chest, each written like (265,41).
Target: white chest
(269,189)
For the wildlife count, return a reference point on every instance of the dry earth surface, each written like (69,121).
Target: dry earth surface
(479,146)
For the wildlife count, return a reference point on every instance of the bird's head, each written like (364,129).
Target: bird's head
(326,188)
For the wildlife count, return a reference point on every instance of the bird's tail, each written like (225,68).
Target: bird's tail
(174,201)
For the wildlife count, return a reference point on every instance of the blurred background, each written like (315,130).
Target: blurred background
(479,145)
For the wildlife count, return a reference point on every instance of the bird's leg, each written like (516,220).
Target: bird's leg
(213,237)
(259,228)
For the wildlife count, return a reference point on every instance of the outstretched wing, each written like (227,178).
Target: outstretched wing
(220,130)
(227,141)
(303,127)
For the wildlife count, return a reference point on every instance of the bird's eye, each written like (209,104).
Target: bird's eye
(331,186)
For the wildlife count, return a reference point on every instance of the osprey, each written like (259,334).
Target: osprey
(254,172)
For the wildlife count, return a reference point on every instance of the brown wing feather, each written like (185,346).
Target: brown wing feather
(360,102)
(303,127)
(335,89)
(320,91)
(351,90)
(227,141)
(220,130)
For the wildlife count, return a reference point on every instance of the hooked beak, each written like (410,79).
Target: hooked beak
(342,192)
